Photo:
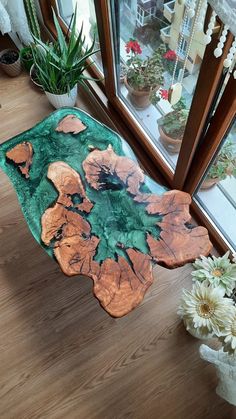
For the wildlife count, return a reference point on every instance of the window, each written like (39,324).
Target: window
(200,74)
(158,118)
(86,15)
(128,3)
(217,192)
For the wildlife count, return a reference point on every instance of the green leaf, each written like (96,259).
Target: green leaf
(60,36)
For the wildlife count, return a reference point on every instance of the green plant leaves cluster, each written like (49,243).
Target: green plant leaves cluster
(146,74)
(225,163)
(60,64)
(174,123)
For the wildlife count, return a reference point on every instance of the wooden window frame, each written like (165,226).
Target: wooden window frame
(218,129)
(126,123)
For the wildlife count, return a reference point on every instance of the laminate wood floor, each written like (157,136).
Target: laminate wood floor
(61,355)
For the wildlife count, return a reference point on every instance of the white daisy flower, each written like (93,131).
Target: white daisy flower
(228,334)
(205,308)
(218,272)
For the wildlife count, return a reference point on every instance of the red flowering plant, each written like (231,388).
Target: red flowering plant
(170,55)
(133,46)
(169,59)
(144,74)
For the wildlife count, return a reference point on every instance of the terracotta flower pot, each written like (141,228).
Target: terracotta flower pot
(13,69)
(171,144)
(139,98)
(209,183)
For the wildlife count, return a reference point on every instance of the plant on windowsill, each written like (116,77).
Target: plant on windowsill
(60,65)
(208,310)
(172,125)
(224,165)
(144,76)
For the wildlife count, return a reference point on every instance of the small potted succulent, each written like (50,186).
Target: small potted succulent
(224,165)
(26,57)
(10,62)
(144,77)
(171,127)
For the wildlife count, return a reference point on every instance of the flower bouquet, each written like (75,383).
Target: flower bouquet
(209,310)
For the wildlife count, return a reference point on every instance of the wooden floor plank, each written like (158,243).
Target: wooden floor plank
(61,355)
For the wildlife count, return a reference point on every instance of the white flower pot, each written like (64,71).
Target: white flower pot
(226,370)
(58,101)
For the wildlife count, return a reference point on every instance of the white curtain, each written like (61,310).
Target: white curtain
(13,19)
(226,10)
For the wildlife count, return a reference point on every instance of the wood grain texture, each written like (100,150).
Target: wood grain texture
(120,285)
(61,356)
(70,124)
(22,155)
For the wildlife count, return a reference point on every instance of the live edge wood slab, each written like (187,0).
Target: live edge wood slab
(90,205)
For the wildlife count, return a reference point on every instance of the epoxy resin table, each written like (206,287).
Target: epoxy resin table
(89,205)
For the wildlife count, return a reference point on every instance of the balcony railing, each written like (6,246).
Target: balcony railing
(165,34)
(168,12)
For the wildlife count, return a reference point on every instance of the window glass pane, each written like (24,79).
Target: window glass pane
(150,36)
(85,15)
(217,192)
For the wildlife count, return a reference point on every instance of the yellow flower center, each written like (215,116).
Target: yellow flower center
(205,309)
(217,272)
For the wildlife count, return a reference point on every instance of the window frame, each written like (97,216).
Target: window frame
(206,90)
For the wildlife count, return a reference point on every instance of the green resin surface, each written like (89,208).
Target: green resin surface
(115,218)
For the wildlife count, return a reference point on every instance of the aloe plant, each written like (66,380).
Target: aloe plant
(60,65)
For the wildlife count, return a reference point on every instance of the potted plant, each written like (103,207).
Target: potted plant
(60,65)
(208,310)
(224,165)
(10,62)
(143,77)
(171,127)
(26,55)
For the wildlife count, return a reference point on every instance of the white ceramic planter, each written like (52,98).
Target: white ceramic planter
(226,370)
(58,101)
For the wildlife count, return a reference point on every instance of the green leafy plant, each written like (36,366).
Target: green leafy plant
(173,123)
(144,75)
(60,65)
(225,163)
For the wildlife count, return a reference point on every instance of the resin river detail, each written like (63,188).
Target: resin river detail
(90,205)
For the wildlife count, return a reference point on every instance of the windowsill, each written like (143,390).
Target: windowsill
(148,117)
(220,209)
